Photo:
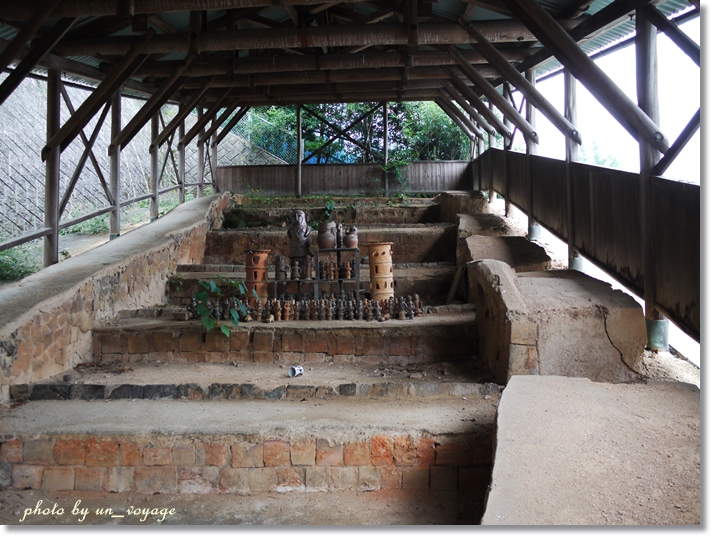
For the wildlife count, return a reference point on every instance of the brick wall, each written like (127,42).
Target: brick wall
(245,464)
(187,342)
(413,244)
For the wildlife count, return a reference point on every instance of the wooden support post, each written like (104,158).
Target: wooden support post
(181,161)
(572,155)
(201,158)
(51,208)
(491,140)
(214,163)
(300,153)
(534,229)
(155,179)
(647,88)
(507,209)
(480,150)
(115,169)
(385,148)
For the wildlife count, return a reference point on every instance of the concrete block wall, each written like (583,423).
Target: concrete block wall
(55,335)
(246,463)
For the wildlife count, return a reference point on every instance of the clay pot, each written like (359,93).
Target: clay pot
(351,238)
(327,235)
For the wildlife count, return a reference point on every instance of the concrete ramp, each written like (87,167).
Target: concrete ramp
(572,451)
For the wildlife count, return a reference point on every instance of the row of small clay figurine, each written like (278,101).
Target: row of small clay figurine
(328,270)
(324,309)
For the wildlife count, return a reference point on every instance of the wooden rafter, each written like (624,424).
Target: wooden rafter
(113,81)
(677,36)
(227,128)
(446,101)
(26,33)
(448,111)
(467,107)
(202,121)
(567,51)
(37,52)
(678,145)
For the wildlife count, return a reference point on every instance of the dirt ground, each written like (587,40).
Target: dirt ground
(382,507)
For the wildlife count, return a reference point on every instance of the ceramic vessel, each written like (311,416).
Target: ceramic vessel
(327,235)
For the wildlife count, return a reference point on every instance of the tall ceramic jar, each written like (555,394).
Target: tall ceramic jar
(327,235)
(380,262)
(256,262)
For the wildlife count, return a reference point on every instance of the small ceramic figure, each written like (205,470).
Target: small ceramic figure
(280,267)
(296,270)
(339,236)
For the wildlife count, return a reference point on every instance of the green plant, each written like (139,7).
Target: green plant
(397,168)
(211,290)
(175,282)
(98,225)
(17,263)
(329,207)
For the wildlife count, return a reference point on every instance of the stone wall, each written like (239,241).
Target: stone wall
(455,203)
(246,464)
(56,334)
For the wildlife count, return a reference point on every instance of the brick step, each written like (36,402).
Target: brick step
(320,382)
(431,338)
(411,244)
(148,447)
(431,281)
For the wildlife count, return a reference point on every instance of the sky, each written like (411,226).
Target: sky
(679,97)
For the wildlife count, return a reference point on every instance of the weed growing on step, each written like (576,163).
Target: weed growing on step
(211,290)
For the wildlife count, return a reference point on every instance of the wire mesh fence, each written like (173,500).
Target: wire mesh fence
(22,171)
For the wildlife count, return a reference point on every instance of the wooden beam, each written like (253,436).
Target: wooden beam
(678,145)
(52,171)
(30,61)
(88,145)
(447,102)
(500,102)
(216,123)
(572,155)
(155,177)
(467,107)
(203,119)
(676,35)
(181,158)
(194,32)
(356,35)
(27,32)
(234,121)
(113,81)
(182,114)
(342,132)
(324,62)
(567,51)
(475,101)
(158,99)
(448,111)
(611,15)
(489,5)
(525,87)
(578,8)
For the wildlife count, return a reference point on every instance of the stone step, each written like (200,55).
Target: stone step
(431,281)
(148,447)
(411,244)
(319,382)
(439,337)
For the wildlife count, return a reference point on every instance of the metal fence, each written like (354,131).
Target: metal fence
(22,171)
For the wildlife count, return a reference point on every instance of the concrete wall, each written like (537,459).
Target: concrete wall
(345,179)
(606,206)
(46,326)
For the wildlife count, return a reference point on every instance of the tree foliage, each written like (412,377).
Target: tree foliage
(417,131)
